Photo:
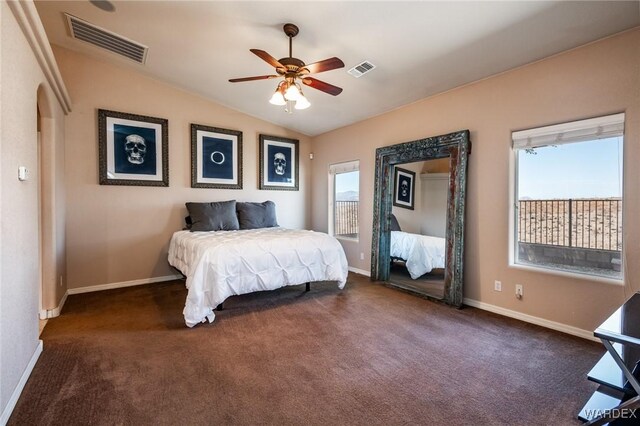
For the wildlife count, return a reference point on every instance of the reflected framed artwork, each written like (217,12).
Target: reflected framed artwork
(216,157)
(404,188)
(132,149)
(279,163)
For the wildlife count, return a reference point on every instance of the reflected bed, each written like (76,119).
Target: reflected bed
(421,253)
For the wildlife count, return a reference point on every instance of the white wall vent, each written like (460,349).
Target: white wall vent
(83,30)
(361,69)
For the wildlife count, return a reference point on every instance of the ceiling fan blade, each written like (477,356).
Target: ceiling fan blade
(321,85)
(267,58)
(258,77)
(326,65)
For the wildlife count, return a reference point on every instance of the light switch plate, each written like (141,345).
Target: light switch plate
(23,173)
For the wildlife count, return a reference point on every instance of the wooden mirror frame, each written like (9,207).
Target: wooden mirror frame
(457,147)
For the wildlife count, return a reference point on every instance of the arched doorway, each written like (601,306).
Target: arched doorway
(45,179)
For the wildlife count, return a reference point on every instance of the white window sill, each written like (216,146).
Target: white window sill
(593,278)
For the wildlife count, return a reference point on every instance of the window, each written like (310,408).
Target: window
(344,179)
(568,197)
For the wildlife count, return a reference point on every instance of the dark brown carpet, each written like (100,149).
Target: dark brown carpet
(367,355)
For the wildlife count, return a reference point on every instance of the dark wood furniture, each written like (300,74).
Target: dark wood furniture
(616,400)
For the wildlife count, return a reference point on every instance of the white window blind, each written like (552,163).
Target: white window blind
(350,166)
(576,131)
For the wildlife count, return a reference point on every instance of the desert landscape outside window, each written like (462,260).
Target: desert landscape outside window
(345,199)
(569,197)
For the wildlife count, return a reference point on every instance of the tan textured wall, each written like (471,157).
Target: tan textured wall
(120,233)
(52,208)
(20,77)
(593,80)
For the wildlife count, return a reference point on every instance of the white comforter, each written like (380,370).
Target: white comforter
(225,263)
(421,253)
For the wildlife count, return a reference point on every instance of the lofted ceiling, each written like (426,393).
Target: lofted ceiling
(419,48)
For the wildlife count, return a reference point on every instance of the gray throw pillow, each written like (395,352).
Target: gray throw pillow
(219,216)
(257,215)
(395,226)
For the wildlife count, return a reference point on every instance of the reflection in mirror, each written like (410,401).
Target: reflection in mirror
(418,220)
(418,235)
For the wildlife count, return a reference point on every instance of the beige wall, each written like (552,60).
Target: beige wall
(20,78)
(593,80)
(52,207)
(435,194)
(120,233)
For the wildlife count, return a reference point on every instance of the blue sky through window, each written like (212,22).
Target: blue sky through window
(348,183)
(591,169)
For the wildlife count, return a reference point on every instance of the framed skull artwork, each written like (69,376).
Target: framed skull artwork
(132,149)
(279,163)
(404,188)
(216,157)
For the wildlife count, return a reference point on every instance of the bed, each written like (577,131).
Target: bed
(223,263)
(421,253)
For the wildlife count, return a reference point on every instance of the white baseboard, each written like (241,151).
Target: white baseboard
(122,284)
(8,409)
(574,331)
(360,271)
(52,313)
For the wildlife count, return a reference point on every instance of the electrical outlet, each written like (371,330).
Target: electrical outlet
(497,285)
(519,291)
(361,256)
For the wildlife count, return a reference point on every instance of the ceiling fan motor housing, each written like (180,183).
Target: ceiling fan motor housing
(292,65)
(291,30)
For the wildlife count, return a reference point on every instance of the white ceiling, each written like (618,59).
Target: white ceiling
(419,48)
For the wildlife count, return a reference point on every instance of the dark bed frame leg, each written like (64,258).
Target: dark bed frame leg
(220,307)
(308,287)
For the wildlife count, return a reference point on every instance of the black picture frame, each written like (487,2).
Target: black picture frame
(132,149)
(279,163)
(216,157)
(404,188)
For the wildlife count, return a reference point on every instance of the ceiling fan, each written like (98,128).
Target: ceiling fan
(291,69)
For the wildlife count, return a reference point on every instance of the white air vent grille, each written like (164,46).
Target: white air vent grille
(361,69)
(82,30)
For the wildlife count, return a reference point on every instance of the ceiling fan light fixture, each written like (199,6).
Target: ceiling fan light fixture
(302,102)
(292,93)
(278,97)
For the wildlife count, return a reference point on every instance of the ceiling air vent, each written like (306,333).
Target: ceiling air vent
(361,69)
(82,30)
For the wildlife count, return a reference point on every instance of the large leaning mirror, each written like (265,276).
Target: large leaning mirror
(418,223)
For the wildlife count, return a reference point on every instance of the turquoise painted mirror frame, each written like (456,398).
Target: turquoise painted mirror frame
(457,147)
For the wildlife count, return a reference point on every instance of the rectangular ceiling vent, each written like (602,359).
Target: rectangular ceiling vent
(82,30)
(361,69)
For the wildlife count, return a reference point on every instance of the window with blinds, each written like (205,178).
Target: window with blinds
(569,198)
